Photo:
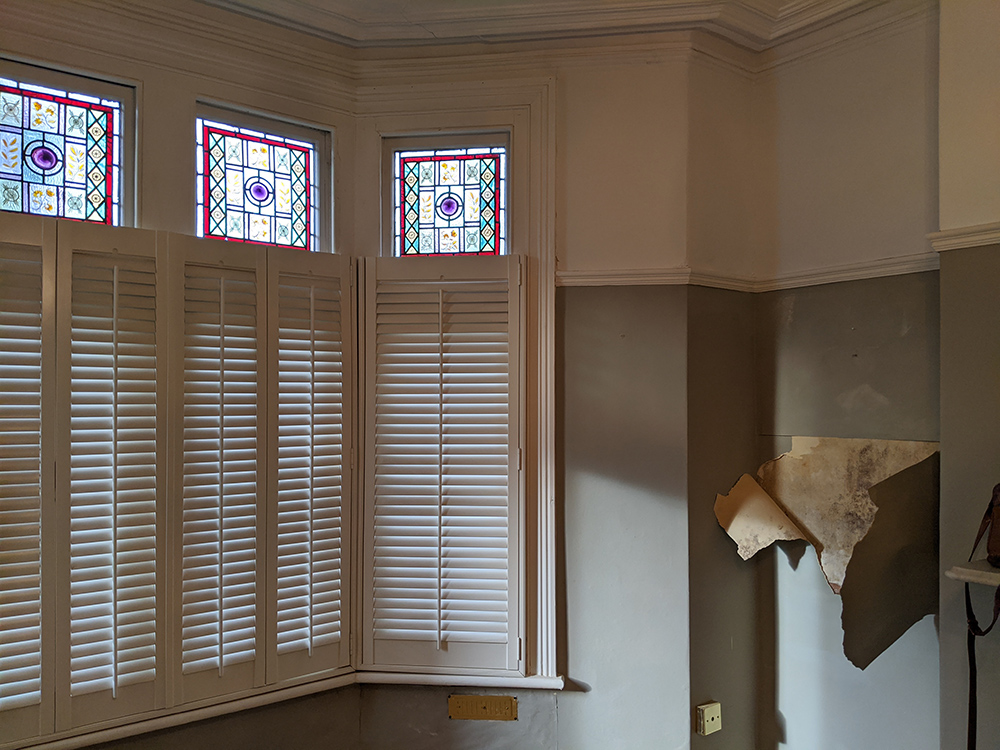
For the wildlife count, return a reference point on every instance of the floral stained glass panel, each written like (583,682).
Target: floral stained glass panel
(256,187)
(59,153)
(450,202)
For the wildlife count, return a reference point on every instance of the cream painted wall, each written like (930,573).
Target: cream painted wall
(855,141)
(731,194)
(622,138)
(969,112)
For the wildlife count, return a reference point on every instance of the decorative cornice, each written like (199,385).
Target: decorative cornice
(683,275)
(865,25)
(179,37)
(755,24)
(979,235)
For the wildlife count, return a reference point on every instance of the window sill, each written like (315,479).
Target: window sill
(85,736)
(396,678)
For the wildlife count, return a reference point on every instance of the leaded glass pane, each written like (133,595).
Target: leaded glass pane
(60,153)
(256,187)
(450,202)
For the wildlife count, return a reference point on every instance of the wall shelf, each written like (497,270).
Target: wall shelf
(977,571)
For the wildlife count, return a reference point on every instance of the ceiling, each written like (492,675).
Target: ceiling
(757,24)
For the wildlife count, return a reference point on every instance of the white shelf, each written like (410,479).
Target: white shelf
(977,571)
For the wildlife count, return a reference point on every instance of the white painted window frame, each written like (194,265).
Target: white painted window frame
(320,138)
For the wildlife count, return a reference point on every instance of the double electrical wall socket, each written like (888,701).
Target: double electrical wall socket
(708,717)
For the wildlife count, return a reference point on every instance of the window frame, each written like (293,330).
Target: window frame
(439,142)
(321,139)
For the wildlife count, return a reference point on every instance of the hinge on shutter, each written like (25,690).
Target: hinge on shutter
(520,267)
(520,650)
(520,459)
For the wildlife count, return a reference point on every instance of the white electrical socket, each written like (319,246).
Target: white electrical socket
(709,717)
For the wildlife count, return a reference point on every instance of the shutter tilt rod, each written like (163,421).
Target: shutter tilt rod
(440,540)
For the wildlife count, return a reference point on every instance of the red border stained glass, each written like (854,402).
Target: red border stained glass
(255,187)
(450,202)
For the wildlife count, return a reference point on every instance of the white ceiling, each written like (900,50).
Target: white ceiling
(755,23)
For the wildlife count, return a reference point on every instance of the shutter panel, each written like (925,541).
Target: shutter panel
(442,502)
(21,483)
(114,469)
(223,382)
(308,361)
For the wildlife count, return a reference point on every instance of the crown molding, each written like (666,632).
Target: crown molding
(755,24)
(518,61)
(865,24)
(862,23)
(681,275)
(979,235)
(178,36)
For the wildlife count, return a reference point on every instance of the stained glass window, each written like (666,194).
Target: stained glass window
(256,187)
(60,153)
(450,202)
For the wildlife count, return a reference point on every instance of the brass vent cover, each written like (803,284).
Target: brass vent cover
(483,707)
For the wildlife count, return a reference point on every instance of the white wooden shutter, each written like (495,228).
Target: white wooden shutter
(223,382)
(27,255)
(442,486)
(309,475)
(113,476)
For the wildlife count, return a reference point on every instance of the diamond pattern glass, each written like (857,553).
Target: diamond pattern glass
(450,202)
(255,187)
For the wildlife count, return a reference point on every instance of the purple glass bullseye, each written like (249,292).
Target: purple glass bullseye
(259,191)
(44,158)
(449,206)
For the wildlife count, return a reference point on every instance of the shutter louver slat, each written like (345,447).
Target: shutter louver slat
(441,477)
(113,473)
(20,477)
(219,516)
(309,463)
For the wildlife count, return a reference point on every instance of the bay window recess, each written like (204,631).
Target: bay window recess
(180,523)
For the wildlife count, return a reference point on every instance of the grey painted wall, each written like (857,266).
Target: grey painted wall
(395,717)
(856,359)
(622,376)
(970,466)
(721,446)
(325,720)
